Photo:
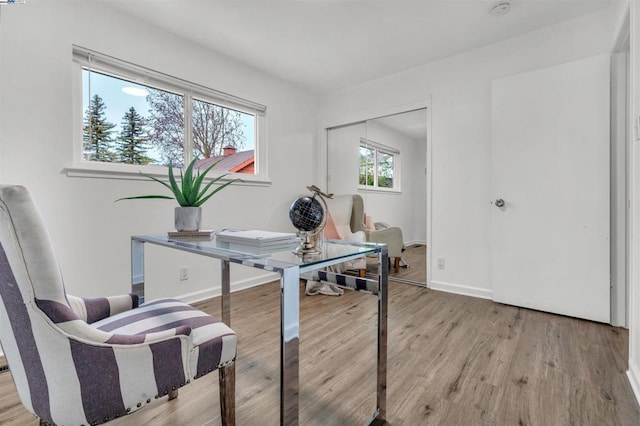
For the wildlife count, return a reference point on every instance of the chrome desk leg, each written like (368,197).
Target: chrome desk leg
(289,354)
(137,269)
(383,273)
(226,292)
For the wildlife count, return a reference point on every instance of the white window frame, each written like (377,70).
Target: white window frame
(86,58)
(378,147)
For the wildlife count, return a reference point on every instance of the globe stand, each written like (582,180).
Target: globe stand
(308,245)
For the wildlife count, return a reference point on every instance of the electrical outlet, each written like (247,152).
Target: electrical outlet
(441,263)
(184,273)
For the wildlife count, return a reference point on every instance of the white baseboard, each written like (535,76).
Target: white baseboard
(464,290)
(633,374)
(209,293)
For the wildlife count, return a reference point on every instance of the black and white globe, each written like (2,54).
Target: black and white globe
(306,214)
(309,216)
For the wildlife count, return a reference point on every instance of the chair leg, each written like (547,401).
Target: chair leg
(227,375)
(396,264)
(173,394)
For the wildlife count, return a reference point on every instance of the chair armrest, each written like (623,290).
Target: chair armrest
(148,338)
(67,320)
(97,308)
(392,237)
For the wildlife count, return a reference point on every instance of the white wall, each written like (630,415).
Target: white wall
(89,231)
(459,88)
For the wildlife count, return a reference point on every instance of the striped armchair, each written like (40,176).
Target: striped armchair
(79,361)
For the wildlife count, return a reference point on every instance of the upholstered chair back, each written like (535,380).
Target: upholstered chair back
(383,233)
(340,208)
(27,247)
(28,271)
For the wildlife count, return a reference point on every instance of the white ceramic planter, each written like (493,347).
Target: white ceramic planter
(188,218)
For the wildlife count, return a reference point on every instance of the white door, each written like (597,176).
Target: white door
(550,165)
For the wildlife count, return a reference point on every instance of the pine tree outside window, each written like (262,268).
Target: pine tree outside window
(132,146)
(97,132)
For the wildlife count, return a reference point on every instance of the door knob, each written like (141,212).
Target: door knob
(499,202)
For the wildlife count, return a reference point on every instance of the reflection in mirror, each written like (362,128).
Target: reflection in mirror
(384,160)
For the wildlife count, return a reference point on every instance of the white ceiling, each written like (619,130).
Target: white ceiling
(323,45)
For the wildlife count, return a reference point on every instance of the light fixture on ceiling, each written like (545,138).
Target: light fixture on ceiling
(500,8)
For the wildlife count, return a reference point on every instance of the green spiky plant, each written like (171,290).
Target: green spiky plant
(188,192)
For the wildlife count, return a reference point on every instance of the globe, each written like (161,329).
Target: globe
(306,214)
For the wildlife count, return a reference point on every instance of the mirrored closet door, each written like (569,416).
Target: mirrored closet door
(384,161)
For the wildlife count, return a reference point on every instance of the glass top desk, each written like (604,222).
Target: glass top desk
(289,266)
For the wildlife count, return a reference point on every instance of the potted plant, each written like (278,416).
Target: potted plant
(190,194)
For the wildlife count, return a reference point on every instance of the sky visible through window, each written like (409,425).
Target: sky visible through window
(118,102)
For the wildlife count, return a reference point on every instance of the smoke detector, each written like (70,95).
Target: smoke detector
(500,8)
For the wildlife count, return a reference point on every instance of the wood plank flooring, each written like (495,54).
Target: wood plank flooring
(416,258)
(453,360)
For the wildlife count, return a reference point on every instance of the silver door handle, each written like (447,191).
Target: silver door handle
(499,202)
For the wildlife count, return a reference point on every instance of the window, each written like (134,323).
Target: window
(134,119)
(129,123)
(378,166)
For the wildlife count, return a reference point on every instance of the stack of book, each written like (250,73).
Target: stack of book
(257,238)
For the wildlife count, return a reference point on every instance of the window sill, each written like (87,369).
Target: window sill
(381,190)
(124,172)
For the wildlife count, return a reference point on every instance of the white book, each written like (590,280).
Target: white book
(255,237)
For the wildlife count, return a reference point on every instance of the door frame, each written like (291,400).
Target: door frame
(620,175)
(362,116)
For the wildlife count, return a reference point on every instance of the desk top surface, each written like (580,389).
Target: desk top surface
(277,257)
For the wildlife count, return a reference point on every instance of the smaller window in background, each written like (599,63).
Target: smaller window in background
(377,166)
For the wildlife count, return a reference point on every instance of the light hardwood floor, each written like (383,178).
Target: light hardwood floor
(416,257)
(453,360)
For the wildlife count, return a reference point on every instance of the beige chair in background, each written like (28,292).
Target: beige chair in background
(391,236)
